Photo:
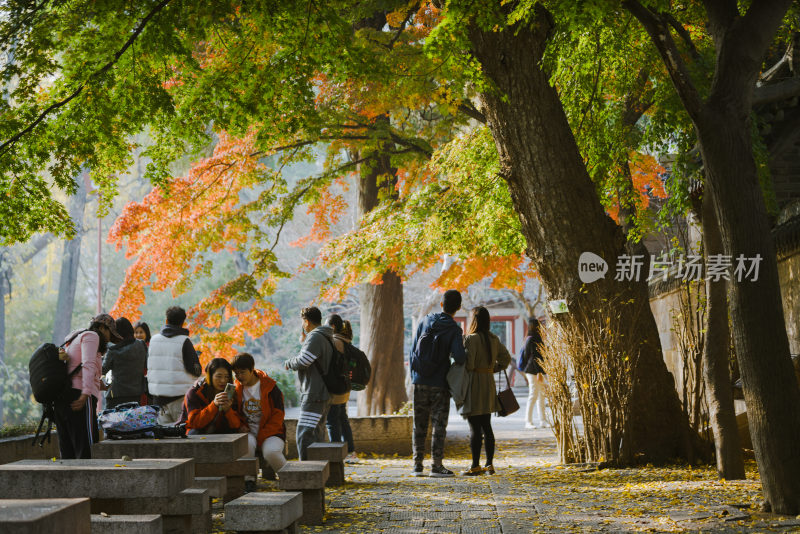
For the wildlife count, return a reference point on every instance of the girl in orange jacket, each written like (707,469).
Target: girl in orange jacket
(207,408)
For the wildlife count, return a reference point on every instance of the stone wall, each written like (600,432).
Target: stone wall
(382,434)
(665,298)
(20,448)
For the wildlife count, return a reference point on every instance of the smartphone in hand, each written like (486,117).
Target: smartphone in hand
(230,390)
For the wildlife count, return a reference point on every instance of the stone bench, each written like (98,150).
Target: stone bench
(216,486)
(126,524)
(234,473)
(188,511)
(34,516)
(215,455)
(273,512)
(129,487)
(308,477)
(334,454)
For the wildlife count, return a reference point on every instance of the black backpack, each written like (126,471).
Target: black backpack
(430,354)
(337,379)
(358,365)
(50,382)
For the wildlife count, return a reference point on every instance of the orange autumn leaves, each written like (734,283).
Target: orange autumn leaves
(646,180)
(172,236)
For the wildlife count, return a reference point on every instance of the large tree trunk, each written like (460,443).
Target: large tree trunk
(717,378)
(382,323)
(759,332)
(722,123)
(70,261)
(562,217)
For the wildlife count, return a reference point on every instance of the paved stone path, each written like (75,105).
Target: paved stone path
(532,493)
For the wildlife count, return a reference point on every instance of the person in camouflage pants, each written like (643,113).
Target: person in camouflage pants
(431,394)
(434,403)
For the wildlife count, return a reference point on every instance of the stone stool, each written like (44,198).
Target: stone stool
(272,512)
(334,454)
(127,524)
(308,477)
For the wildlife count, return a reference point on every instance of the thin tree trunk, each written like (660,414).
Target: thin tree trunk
(719,393)
(382,323)
(70,261)
(4,290)
(562,217)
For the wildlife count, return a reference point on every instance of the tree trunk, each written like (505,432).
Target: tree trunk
(719,393)
(382,324)
(562,217)
(68,278)
(4,290)
(759,331)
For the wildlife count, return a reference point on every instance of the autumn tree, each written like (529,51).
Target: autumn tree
(722,121)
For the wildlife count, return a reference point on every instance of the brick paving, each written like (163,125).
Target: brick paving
(532,493)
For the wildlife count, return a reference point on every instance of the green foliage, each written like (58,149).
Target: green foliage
(19,406)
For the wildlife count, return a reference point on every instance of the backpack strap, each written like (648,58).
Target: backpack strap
(48,413)
(333,348)
(70,340)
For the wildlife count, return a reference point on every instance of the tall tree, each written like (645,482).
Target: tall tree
(70,261)
(722,121)
(559,210)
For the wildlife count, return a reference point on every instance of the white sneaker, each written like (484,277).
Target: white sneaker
(529,426)
(351,458)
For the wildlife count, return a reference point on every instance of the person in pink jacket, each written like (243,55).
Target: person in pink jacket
(76,411)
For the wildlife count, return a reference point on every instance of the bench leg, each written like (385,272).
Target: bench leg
(313,506)
(336,474)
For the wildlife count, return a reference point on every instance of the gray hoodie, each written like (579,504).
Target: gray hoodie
(316,347)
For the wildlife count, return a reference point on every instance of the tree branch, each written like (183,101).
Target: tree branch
(134,35)
(662,39)
(684,35)
(775,92)
(472,112)
(413,9)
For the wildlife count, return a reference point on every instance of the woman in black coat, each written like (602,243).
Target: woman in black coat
(127,361)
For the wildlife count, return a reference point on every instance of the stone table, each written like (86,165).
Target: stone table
(214,455)
(40,516)
(117,487)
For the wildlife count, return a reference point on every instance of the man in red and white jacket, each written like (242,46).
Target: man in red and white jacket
(259,401)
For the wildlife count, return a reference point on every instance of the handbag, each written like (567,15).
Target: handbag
(506,399)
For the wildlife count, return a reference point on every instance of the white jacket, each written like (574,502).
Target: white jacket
(166,375)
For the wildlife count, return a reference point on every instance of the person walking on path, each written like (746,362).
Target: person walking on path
(259,401)
(437,339)
(172,366)
(127,361)
(485,355)
(207,407)
(312,362)
(530,359)
(337,421)
(76,414)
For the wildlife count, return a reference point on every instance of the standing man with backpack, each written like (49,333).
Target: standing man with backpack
(438,337)
(311,364)
(172,366)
